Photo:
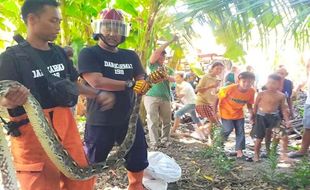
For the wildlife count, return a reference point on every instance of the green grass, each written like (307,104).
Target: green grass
(216,153)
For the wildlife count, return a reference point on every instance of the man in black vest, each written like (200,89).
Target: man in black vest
(35,171)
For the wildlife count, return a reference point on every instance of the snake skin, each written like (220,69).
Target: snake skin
(51,144)
(8,175)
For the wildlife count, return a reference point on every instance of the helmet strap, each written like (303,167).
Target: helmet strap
(105,41)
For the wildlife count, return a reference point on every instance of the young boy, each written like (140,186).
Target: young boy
(232,98)
(267,113)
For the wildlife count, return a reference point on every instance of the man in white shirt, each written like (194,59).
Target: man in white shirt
(186,93)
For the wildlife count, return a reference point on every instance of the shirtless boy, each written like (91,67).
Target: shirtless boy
(267,113)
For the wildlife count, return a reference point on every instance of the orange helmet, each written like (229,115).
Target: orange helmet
(110,22)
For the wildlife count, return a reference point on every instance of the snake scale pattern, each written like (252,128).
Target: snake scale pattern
(52,146)
(6,164)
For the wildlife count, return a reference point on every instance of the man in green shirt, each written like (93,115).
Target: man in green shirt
(157,101)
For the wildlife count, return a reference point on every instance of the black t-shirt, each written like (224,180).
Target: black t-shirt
(23,70)
(122,65)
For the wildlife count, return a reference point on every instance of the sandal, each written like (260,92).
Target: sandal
(245,158)
(264,155)
(296,155)
(232,154)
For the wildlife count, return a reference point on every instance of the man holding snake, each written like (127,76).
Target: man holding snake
(35,171)
(105,66)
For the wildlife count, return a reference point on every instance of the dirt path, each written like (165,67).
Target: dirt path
(198,173)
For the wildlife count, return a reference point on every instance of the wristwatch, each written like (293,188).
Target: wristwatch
(129,83)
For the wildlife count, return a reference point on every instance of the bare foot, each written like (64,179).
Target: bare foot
(173,134)
(239,153)
(201,133)
(284,158)
(256,158)
(209,140)
(206,131)
(198,135)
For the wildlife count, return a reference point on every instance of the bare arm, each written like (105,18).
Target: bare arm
(156,54)
(87,91)
(258,98)
(140,77)
(216,105)
(180,95)
(201,85)
(290,106)
(203,89)
(170,79)
(250,109)
(104,98)
(284,109)
(290,103)
(98,81)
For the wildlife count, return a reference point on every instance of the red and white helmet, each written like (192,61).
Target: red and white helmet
(111,22)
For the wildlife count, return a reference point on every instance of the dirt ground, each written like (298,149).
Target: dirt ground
(198,173)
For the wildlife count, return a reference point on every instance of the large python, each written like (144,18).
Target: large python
(52,146)
(6,164)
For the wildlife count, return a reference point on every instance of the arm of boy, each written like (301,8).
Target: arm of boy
(290,102)
(216,106)
(285,111)
(250,109)
(290,106)
(257,100)
(250,106)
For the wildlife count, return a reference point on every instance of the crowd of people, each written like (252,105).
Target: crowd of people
(270,109)
(112,76)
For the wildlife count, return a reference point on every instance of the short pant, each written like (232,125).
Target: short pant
(99,141)
(265,121)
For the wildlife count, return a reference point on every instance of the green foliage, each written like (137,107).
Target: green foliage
(10,10)
(196,70)
(299,179)
(217,154)
(233,22)
(149,21)
(270,173)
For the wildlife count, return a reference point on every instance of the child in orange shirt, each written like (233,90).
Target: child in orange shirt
(232,98)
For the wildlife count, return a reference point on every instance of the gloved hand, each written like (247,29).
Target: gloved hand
(157,76)
(141,87)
